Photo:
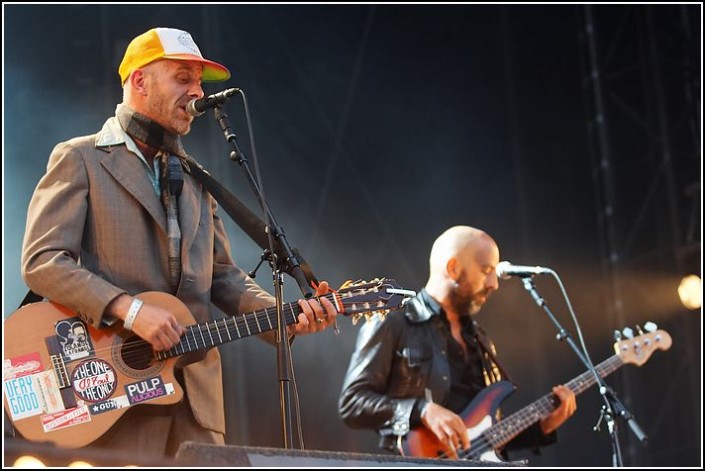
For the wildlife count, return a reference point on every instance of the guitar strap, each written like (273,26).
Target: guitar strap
(31,297)
(246,219)
(488,354)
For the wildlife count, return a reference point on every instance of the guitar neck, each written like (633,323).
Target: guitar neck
(504,431)
(217,332)
(353,299)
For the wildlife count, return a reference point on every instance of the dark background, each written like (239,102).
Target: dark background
(570,133)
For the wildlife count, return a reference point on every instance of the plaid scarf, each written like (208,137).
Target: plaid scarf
(171,177)
(148,131)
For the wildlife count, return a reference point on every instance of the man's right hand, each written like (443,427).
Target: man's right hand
(447,426)
(154,324)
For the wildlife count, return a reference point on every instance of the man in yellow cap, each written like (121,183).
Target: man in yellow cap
(108,221)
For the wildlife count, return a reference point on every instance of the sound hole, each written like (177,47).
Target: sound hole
(137,354)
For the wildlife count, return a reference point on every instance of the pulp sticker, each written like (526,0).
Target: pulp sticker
(59,420)
(21,366)
(109,404)
(74,339)
(141,391)
(49,393)
(93,380)
(22,397)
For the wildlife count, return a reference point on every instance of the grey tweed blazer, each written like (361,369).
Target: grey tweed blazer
(96,229)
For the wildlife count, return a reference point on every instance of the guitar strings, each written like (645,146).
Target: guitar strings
(205,334)
(510,426)
(135,348)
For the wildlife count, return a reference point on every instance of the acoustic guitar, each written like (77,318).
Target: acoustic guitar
(68,383)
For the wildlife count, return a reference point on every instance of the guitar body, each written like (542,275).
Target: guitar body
(68,383)
(479,415)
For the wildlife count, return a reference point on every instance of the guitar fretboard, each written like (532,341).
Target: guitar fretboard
(217,332)
(505,430)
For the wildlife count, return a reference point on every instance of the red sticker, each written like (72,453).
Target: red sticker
(21,366)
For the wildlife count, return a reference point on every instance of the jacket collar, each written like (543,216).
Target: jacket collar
(422,308)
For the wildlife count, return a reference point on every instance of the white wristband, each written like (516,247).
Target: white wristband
(132,313)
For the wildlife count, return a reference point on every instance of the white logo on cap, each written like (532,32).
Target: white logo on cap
(186,41)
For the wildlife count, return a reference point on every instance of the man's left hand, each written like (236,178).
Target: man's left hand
(566,408)
(318,313)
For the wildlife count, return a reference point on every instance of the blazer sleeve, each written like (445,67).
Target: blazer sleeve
(53,236)
(233,291)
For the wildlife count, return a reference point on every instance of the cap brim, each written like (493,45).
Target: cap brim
(212,71)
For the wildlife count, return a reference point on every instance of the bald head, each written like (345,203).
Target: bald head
(456,242)
(462,265)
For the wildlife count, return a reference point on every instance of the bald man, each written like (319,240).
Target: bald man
(421,365)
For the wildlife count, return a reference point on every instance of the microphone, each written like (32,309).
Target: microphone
(505,269)
(199,106)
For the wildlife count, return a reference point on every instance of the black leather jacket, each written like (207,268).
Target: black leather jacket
(396,360)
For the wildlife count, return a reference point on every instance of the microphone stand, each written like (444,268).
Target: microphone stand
(276,236)
(612,404)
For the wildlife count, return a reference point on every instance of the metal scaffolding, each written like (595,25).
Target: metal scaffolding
(641,86)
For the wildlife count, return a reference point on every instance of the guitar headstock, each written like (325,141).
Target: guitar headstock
(369,298)
(637,350)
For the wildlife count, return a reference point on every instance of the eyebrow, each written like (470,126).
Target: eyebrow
(487,266)
(188,67)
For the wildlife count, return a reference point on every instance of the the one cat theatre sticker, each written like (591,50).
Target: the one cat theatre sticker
(74,341)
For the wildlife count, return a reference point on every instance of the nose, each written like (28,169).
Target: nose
(492,282)
(196,90)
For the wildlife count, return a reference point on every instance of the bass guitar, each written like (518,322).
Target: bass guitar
(487,435)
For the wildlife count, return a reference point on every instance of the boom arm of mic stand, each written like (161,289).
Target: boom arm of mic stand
(287,256)
(562,333)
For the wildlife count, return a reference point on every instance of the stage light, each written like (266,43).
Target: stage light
(80,464)
(26,454)
(27,461)
(691,292)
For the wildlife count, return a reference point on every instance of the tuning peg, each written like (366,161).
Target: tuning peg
(650,327)
(628,333)
(617,336)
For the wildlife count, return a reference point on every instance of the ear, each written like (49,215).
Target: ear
(138,80)
(453,269)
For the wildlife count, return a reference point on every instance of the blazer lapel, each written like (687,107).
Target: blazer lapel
(189,211)
(129,171)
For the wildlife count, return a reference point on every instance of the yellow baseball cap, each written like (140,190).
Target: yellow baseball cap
(168,43)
